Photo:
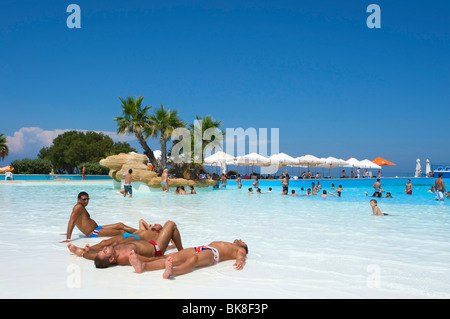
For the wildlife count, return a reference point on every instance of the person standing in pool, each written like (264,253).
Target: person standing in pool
(439,187)
(127,184)
(188,259)
(82,220)
(285,182)
(339,191)
(256,183)
(377,188)
(164,181)
(223,179)
(408,187)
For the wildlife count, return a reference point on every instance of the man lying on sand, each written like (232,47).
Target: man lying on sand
(188,259)
(151,242)
(81,218)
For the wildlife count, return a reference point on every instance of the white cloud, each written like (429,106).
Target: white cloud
(27,141)
(32,137)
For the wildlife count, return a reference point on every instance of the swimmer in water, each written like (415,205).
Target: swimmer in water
(375,209)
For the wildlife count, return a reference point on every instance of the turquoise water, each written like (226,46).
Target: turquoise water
(299,247)
(47,177)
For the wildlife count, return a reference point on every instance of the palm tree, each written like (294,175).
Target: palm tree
(164,122)
(4,150)
(136,120)
(207,123)
(202,125)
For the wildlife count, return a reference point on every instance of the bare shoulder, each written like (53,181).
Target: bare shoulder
(78,209)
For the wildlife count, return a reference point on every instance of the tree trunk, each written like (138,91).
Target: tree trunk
(163,151)
(148,152)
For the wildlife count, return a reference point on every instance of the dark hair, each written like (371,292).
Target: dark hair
(82,194)
(440,175)
(101,262)
(374,200)
(130,171)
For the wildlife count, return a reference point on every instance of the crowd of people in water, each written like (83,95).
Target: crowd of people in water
(144,248)
(316,188)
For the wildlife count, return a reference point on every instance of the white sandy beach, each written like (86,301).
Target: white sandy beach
(297,248)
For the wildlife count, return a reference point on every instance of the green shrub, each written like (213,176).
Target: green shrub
(93,169)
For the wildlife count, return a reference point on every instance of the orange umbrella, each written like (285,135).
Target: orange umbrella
(382,162)
(6,169)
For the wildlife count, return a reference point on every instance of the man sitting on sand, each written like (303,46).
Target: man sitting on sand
(188,259)
(151,242)
(81,218)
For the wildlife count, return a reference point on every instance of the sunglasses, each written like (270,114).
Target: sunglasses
(84,199)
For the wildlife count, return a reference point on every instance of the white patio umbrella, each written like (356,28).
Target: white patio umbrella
(331,162)
(309,160)
(253,159)
(418,168)
(282,159)
(219,158)
(369,164)
(428,168)
(353,162)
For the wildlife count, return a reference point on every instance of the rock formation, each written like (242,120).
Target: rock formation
(120,164)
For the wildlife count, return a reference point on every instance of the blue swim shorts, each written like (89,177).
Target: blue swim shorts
(128,189)
(95,232)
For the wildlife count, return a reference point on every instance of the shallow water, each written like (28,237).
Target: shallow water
(299,247)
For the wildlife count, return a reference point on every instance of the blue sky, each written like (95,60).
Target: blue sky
(313,69)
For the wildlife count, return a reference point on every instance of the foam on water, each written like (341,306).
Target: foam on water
(298,246)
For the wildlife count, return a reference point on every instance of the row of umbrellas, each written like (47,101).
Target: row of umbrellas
(419,168)
(282,160)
